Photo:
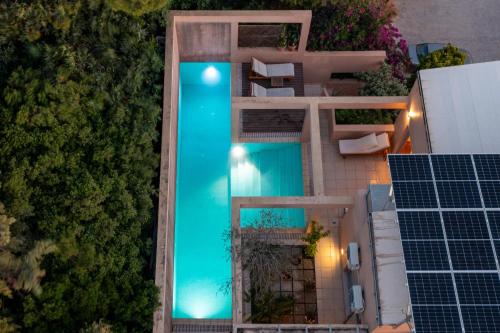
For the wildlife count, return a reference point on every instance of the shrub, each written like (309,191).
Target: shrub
(380,82)
(360,25)
(390,39)
(347,25)
(78,118)
(312,238)
(448,56)
(137,7)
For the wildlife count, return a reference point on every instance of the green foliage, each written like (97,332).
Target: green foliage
(380,82)
(78,118)
(267,307)
(137,7)
(448,56)
(312,238)
(260,256)
(97,327)
(243,4)
(20,269)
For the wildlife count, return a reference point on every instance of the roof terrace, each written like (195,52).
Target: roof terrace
(334,183)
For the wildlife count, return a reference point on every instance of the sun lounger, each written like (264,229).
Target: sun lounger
(263,70)
(259,91)
(369,144)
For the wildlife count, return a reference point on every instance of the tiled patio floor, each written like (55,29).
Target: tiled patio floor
(330,294)
(342,177)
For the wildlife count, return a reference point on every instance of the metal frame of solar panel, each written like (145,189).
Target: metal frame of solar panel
(448,209)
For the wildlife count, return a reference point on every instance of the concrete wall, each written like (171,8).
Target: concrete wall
(354,227)
(401,131)
(417,125)
(339,131)
(166,206)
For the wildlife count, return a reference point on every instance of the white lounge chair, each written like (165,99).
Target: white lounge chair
(272,70)
(260,91)
(369,144)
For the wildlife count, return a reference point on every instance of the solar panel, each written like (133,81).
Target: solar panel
(494,221)
(471,255)
(436,319)
(458,194)
(487,166)
(453,167)
(481,319)
(491,193)
(465,225)
(414,195)
(420,225)
(448,209)
(478,288)
(410,167)
(431,288)
(425,255)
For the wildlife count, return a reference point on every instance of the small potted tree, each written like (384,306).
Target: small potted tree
(312,237)
(283,40)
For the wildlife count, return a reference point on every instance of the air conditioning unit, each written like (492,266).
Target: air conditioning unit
(353,256)
(356,299)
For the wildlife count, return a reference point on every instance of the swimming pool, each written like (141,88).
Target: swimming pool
(206,177)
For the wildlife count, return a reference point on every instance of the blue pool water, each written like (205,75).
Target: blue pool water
(207,176)
(269,169)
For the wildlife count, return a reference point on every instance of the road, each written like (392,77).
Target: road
(473,25)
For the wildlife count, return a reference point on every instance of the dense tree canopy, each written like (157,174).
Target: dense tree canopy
(78,114)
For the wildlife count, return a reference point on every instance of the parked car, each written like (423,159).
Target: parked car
(418,51)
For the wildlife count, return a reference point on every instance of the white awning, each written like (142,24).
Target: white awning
(462,105)
(393,293)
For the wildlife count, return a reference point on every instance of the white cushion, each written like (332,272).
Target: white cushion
(259,67)
(280,92)
(365,145)
(280,70)
(272,70)
(259,91)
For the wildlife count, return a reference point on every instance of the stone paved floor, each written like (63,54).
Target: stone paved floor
(345,176)
(472,25)
(342,177)
(329,289)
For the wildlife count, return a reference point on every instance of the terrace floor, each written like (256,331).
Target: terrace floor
(345,176)
(342,177)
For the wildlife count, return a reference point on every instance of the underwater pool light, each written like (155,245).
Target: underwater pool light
(211,76)
(238,152)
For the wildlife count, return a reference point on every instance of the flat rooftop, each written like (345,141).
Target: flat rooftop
(462,108)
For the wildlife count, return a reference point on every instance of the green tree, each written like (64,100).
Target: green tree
(379,82)
(137,7)
(20,267)
(78,119)
(448,56)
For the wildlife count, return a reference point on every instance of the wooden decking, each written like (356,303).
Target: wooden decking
(270,121)
(297,82)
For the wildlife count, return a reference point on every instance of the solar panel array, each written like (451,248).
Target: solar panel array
(448,209)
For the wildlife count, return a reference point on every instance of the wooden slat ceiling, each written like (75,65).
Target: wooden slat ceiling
(204,41)
(272,121)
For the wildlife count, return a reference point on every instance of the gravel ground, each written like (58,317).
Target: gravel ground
(473,25)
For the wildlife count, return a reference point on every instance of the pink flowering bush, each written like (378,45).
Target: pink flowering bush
(389,39)
(354,25)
